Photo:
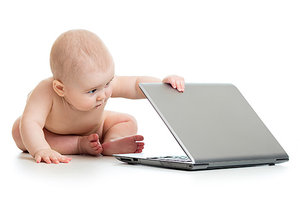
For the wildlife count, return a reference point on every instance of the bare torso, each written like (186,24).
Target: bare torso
(64,119)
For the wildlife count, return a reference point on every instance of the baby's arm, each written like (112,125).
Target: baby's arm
(32,123)
(128,86)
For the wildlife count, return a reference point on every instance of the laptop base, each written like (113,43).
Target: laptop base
(191,167)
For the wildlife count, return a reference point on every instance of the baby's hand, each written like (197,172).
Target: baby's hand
(50,156)
(175,81)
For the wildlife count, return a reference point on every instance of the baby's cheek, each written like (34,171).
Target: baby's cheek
(108,93)
(87,105)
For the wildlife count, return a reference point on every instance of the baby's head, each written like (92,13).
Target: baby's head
(76,52)
(80,61)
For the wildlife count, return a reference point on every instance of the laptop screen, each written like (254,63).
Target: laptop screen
(213,122)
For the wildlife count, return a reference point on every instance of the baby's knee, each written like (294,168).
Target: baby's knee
(17,136)
(131,120)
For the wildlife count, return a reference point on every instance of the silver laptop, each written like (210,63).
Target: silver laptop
(213,124)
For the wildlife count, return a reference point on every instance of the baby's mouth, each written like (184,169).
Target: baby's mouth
(97,106)
(103,102)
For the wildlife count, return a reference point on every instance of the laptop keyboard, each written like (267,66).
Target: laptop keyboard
(172,158)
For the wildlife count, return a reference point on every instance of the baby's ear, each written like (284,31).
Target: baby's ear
(58,87)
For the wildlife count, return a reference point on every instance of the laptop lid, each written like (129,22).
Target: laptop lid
(213,123)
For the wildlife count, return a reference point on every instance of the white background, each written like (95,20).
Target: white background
(252,44)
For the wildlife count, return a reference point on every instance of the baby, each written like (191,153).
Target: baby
(65,113)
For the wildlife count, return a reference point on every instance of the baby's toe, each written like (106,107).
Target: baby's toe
(140,144)
(99,150)
(138,151)
(93,137)
(138,138)
(140,147)
(96,147)
(94,144)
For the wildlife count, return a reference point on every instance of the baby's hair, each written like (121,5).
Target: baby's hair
(77,51)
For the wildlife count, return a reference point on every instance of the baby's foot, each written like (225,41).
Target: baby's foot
(123,145)
(89,145)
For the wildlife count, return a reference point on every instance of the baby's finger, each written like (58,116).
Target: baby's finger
(182,85)
(173,83)
(178,85)
(64,159)
(54,160)
(38,158)
(47,159)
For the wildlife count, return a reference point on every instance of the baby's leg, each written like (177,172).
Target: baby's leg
(119,134)
(64,144)
(74,144)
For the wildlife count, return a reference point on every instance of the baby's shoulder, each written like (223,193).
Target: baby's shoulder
(43,89)
(45,85)
(40,98)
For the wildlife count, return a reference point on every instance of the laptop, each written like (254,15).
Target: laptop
(213,124)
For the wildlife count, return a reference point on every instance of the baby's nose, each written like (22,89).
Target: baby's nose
(101,96)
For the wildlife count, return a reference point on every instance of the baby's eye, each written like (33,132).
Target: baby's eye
(92,91)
